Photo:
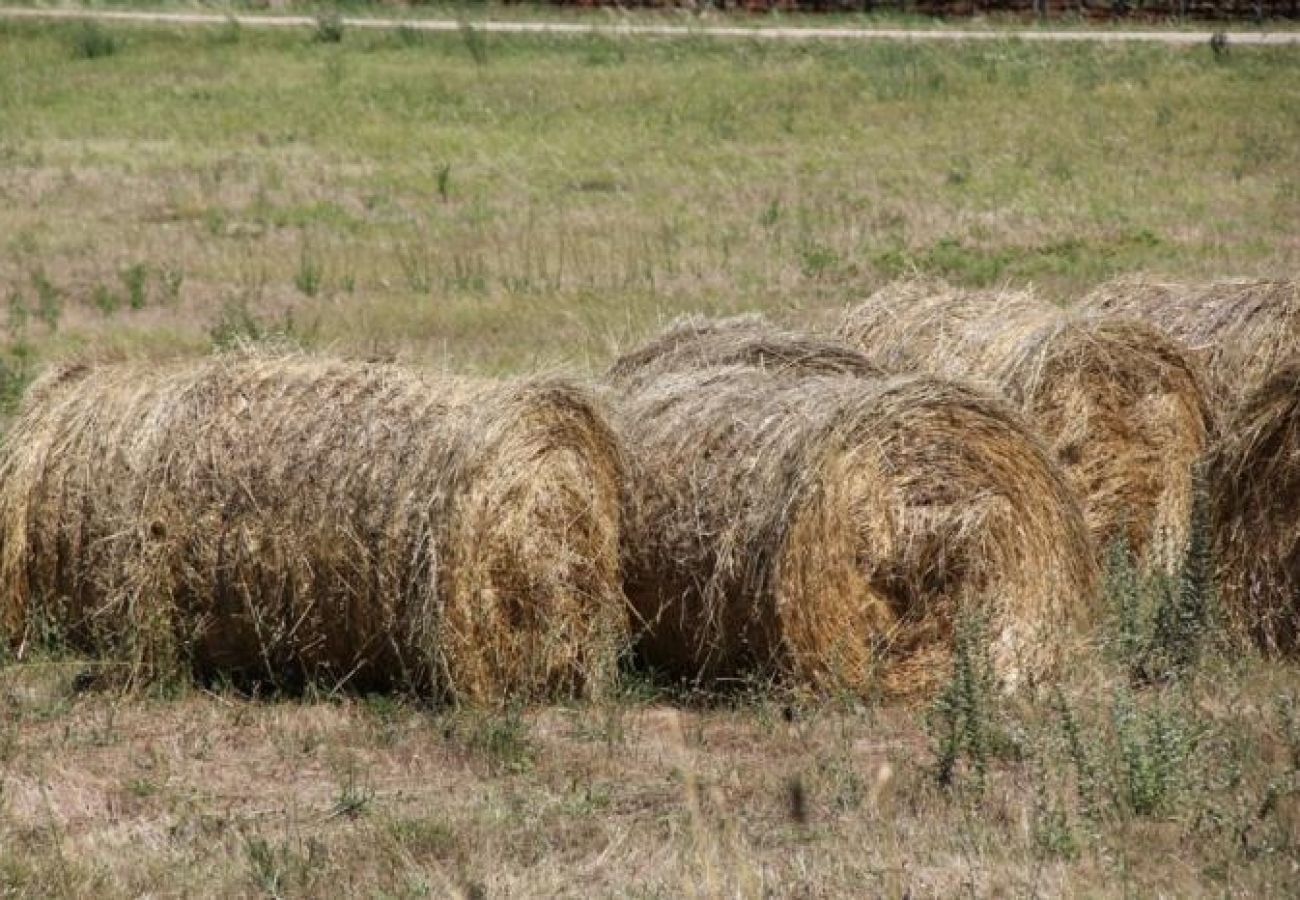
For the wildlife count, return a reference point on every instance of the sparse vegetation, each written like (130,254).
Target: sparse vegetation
(524,212)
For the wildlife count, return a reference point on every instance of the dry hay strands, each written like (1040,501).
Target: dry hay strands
(830,530)
(1121,407)
(1238,329)
(1254,485)
(745,340)
(285,518)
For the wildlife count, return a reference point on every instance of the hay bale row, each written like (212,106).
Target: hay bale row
(788,519)
(1121,408)
(1254,498)
(288,518)
(1240,330)
(1246,334)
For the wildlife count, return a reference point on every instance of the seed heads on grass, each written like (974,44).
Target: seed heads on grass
(172,279)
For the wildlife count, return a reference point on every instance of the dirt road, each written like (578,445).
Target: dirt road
(609,28)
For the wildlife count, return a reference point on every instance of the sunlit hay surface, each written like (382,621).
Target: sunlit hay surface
(1121,407)
(1254,499)
(828,529)
(745,340)
(287,518)
(1240,329)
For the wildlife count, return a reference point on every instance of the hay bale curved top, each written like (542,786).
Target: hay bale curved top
(1239,329)
(829,529)
(1254,489)
(294,517)
(1120,406)
(746,340)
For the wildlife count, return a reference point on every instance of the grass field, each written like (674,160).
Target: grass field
(504,203)
(497,205)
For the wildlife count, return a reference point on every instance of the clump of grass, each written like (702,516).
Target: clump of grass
(329,28)
(966,725)
(1153,746)
(90,41)
(49,300)
(310,275)
(135,280)
(475,43)
(18,315)
(17,369)
(230,32)
(105,300)
(501,738)
(286,867)
(444,182)
(173,277)
(237,324)
(355,793)
(1162,622)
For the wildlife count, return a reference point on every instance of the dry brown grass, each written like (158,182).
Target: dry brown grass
(286,517)
(1120,406)
(1255,492)
(1241,329)
(219,796)
(831,529)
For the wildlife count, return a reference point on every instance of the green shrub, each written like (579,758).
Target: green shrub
(329,28)
(90,41)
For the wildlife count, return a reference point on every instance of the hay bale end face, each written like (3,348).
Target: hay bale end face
(829,529)
(1240,329)
(290,518)
(1254,495)
(1121,408)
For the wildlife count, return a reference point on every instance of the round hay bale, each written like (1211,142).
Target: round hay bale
(1238,329)
(830,530)
(746,340)
(1119,405)
(291,518)
(1254,492)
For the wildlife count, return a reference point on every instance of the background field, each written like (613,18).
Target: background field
(501,204)
(504,203)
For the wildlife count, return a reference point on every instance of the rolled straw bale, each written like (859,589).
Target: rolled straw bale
(1122,409)
(289,517)
(1254,485)
(745,340)
(830,530)
(1238,329)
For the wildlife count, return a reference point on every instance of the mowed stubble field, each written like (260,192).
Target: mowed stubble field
(498,205)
